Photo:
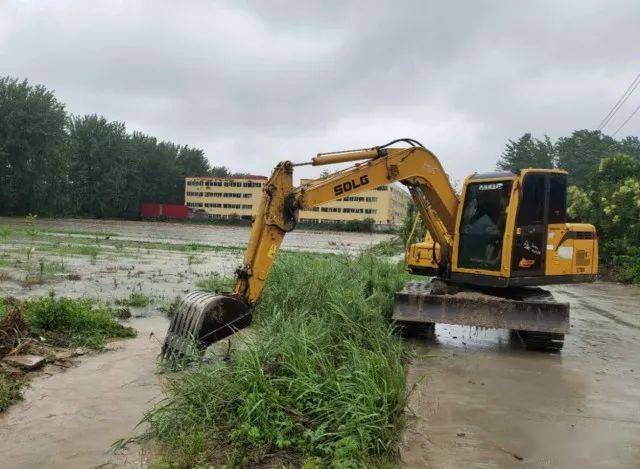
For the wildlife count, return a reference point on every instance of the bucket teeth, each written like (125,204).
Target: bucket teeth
(202,318)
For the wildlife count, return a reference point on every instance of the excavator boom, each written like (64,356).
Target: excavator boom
(204,318)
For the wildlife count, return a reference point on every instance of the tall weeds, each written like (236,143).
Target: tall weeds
(324,383)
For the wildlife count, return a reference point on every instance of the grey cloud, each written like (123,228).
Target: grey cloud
(253,82)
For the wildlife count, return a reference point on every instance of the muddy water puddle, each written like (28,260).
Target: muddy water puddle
(482,400)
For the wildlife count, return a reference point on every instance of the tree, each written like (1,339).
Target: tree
(630,146)
(220,172)
(581,153)
(98,166)
(191,162)
(611,203)
(155,176)
(527,152)
(33,167)
(615,169)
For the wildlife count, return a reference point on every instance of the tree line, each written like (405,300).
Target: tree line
(604,178)
(56,164)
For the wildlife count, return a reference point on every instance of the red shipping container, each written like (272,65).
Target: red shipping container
(164,211)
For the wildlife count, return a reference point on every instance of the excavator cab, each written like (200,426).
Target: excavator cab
(512,230)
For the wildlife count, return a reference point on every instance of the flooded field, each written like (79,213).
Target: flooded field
(176,233)
(71,416)
(481,400)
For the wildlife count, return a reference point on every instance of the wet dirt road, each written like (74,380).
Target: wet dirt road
(481,400)
(70,419)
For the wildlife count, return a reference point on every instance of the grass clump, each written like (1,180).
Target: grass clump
(388,247)
(135,299)
(323,385)
(73,323)
(216,283)
(170,308)
(9,390)
(46,321)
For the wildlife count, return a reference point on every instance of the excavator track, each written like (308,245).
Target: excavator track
(539,320)
(543,341)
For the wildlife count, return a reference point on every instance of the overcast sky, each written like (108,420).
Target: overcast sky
(253,83)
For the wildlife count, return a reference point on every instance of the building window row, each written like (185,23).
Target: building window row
(359,199)
(224,183)
(219,194)
(242,184)
(368,211)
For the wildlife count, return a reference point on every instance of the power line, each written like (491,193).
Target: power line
(626,120)
(616,107)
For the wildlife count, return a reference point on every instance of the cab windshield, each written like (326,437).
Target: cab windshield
(482,226)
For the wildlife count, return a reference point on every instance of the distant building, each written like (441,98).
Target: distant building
(239,198)
(386,205)
(236,197)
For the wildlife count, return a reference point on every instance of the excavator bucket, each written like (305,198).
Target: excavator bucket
(203,318)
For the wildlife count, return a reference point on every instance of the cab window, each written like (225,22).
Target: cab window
(558,198)
(531,211)
(482,226)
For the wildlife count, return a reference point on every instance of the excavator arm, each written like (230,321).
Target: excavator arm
(207,318)
(416,167)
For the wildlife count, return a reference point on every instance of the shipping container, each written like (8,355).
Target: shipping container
(165,211)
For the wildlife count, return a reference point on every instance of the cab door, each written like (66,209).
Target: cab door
(530,237)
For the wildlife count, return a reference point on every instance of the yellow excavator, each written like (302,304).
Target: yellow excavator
(488,250)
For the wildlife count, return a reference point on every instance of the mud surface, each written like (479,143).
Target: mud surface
(481,400)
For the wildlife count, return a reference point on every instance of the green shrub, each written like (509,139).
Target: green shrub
(627,267)
(70,322)
(325,380)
